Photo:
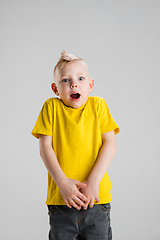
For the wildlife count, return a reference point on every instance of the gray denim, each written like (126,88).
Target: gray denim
(71,224)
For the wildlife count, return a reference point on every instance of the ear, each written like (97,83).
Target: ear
(91,85)
(54,88)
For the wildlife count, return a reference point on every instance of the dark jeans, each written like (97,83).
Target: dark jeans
(71,224)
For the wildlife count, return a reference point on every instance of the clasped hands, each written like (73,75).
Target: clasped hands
(79,194)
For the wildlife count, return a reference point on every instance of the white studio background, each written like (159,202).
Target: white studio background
(119,40)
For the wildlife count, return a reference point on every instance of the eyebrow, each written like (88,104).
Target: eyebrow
(80,73)
(63,75)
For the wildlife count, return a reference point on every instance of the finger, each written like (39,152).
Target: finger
(91,203)
(79,202)
(67,203)
(80,184)
(75,205)
(85,207)
(83,197)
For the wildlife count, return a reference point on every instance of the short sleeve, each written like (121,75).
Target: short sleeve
(106,120)
(44,121)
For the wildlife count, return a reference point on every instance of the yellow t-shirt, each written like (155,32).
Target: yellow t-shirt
(77,139)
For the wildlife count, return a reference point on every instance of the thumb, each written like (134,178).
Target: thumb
(97,199)
(80,184)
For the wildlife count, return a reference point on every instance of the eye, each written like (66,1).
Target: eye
(81,78)
(65,80)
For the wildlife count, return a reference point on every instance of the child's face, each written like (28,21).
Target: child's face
(73,84)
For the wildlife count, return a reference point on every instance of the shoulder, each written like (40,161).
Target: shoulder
(97,101)
(52,102)
(51,105)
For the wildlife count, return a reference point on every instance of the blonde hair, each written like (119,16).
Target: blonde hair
(65,59)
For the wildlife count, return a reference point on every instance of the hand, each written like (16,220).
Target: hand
(69,190)
(91,192)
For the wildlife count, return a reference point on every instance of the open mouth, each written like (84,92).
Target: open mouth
(75,96)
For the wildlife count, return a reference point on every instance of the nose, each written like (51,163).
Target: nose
(74,84)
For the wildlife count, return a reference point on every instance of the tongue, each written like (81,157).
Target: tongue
(75,95)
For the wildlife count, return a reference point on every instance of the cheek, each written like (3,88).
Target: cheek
(63,90)
(86,89)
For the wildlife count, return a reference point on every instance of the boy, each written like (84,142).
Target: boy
(77,144)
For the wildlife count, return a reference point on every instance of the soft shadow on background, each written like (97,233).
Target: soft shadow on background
(119,40)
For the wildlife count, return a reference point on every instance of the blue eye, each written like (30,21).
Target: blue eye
(65,80)
(81,78)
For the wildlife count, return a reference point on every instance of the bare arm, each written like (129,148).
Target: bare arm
(68,187)
(103,162)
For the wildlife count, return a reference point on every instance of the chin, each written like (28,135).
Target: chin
(73,104)
(76,105)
